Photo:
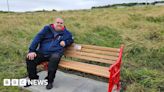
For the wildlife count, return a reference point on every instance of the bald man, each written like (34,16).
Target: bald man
(48,45)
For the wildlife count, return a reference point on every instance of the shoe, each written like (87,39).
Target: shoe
(49,86)
(27,85)
(46,78)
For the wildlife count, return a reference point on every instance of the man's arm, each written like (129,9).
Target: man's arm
(37,39)
(68,39)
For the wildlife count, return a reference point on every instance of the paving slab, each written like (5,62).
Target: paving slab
(65,82)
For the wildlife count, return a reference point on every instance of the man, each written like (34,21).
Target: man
(48,45)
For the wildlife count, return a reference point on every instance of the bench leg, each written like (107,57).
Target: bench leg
(110,86)
(45,65)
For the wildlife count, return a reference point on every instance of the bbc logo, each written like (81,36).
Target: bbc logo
(23,82)
(14,82)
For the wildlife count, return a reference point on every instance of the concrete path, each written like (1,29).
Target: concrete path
(65,82)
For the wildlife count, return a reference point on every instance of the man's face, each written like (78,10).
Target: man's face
(59,24)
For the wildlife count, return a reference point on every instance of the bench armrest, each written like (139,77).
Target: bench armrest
(114,69)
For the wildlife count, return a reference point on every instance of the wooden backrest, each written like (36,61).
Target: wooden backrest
(92,53)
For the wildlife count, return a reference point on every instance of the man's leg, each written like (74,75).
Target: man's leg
(32,64)
(52,68)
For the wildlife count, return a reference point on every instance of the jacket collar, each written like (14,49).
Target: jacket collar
(54,31)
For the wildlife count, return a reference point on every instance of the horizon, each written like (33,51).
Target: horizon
(62,5)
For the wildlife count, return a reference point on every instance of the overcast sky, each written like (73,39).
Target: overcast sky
(32,5)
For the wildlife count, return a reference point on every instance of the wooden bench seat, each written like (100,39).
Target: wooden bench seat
(81,57)
(87,68)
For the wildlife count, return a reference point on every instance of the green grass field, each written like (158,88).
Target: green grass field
(141,29)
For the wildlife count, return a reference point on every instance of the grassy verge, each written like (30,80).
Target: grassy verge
(139,28)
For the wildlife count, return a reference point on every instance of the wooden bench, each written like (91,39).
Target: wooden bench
(76,55)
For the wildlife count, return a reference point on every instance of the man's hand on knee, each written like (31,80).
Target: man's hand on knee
(31,55)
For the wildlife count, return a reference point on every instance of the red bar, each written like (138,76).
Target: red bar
(114,78)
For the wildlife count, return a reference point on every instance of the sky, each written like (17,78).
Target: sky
(33,5)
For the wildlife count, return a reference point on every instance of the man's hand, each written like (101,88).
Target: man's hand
(31,55)
(62,43)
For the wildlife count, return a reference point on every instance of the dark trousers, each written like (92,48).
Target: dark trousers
(53,61)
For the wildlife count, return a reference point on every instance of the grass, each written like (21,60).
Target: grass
(139,28)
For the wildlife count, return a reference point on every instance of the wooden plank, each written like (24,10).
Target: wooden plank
(97,47)
(91,58)
(87,68)
(101,48)
(100,52)
(94,51)
(91,55)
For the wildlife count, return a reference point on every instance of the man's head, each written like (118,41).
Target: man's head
(59,24)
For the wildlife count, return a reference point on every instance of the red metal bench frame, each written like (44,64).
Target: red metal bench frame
(114,78)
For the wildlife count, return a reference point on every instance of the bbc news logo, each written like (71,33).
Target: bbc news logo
(23,82)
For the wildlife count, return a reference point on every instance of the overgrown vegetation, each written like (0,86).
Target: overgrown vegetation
(139,28)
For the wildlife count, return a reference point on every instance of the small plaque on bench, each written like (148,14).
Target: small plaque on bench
(77,47)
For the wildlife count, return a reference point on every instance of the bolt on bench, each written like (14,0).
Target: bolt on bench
(97,54)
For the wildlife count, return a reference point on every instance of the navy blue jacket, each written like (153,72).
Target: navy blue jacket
(47,41)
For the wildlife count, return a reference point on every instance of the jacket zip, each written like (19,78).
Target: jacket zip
(55,37)
(50,44)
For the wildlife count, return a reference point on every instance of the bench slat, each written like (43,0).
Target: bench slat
(97,47)
(87,68)
(101,48)
(90,58)
(94,51)
(91,55)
